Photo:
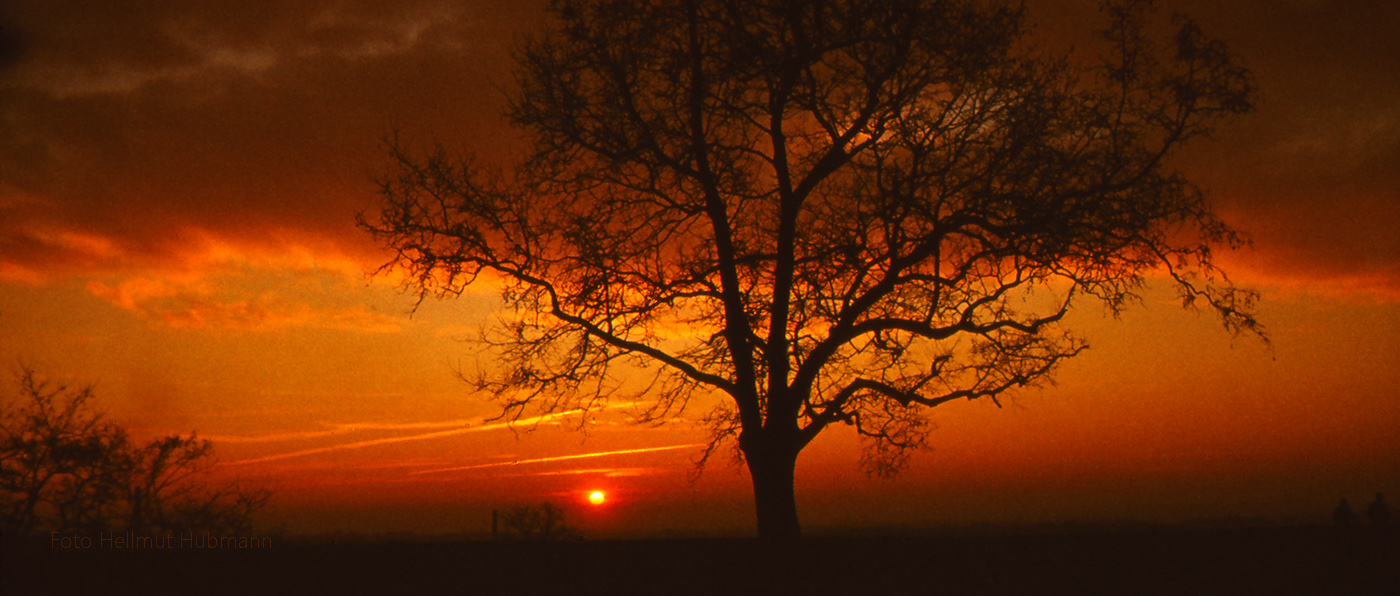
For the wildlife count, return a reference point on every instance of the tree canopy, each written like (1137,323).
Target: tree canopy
(823,212)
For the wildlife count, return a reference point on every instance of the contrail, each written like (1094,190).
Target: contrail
(339,428)
(420,437)
(387,440)
(541,460)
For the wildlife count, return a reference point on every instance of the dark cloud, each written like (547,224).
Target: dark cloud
(1314,175)
(127,125)
(12,47)
(133,123)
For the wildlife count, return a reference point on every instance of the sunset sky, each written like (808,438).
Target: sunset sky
(178,188)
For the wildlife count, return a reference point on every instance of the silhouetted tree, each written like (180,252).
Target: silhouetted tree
(1343,516)
(63,468)
(57,458)
(1378,512)
(820,211)
(536,522)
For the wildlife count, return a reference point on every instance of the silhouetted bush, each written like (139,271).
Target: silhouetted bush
(536,522)
(63,468)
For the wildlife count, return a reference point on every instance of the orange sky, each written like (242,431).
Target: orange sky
(178,183)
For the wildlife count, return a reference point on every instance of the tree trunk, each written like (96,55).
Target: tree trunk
(772,470)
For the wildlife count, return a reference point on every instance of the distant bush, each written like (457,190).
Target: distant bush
(63,468)
(536,522)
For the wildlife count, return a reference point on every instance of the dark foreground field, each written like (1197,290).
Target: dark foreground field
(1253,561)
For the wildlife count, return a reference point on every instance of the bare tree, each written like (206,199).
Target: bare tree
(64,468)
(166,490)
(819,212)
(57,458)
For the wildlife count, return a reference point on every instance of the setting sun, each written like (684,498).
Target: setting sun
(597,497)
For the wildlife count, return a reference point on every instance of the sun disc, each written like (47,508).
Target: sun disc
(597,497)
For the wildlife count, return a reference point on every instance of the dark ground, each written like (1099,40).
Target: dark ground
(1293,560)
